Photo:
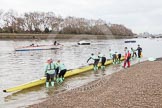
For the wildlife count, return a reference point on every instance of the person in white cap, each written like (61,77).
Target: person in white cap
(49,72)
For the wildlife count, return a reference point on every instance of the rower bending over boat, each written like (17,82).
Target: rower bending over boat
(103,60)
(62,71)
(112,56)
(49,72)
(118,58)
(96,60)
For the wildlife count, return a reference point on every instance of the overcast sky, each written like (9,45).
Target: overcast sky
(138,15)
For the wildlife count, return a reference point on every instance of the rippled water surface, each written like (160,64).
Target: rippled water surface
(21,67)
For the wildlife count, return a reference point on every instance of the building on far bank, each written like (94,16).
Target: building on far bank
(148,35)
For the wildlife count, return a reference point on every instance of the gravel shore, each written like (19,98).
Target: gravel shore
(139,86)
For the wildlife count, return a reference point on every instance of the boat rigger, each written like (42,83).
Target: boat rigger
(43,79)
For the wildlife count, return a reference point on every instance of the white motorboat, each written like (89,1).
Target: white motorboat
(84,43)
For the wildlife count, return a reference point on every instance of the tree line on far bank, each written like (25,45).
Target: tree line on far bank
(48,22)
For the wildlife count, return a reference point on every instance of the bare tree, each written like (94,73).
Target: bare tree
(55,22)
(38,22)
(9,19)
(20,24)
(1,12)
(28,22)
(120,30)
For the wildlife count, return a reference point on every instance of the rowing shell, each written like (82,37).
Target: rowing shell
(40,47)
(43,79)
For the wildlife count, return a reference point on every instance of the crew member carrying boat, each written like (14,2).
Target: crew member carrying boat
(103,60)
(49,72)
(133,53)
(118,57)
(127,57)
(112,56)
(62,71)
(57,71)
(96,60)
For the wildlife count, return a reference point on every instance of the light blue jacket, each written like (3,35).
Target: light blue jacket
(100,55)
(94,57)
(61,66)
(111,54)
(50,68)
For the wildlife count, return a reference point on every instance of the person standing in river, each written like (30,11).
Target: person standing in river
(49,72)
(139,52)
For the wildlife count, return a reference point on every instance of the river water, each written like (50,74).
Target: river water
(20,67)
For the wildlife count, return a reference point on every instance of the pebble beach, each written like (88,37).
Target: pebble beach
(139,86)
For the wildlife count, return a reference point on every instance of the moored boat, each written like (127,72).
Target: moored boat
(84,43)
(130,41)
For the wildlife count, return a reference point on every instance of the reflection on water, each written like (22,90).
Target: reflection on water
(21,67)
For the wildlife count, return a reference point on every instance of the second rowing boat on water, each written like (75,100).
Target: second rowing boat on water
(38,47)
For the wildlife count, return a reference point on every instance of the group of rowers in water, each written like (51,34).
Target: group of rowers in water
(57,70)
(116,57)
(54,70)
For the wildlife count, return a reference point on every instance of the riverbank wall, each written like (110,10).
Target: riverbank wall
(58,36)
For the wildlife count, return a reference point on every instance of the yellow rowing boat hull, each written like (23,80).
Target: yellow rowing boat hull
(43,79)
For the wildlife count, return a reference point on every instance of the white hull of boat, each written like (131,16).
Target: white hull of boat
(41,47)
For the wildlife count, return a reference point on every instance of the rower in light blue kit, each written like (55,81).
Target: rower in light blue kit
(49,72)
(112,56)
(62,71)
(57,71)
(96,60)
(103,60)
(118,58)
(133,53)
